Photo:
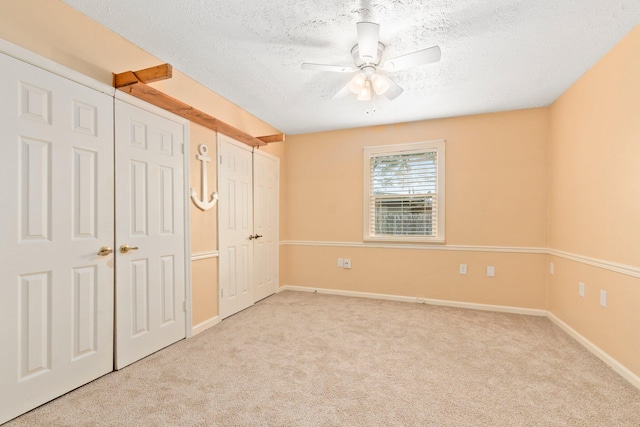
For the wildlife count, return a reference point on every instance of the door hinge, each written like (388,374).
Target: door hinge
(184,306)
(220,159)
(182,145)
(221,292)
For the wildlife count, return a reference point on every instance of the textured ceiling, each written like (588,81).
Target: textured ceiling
(496,54)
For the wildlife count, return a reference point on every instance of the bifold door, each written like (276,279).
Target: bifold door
(247,225)
(56,236)
(266,171)
(235,226)
(150,278)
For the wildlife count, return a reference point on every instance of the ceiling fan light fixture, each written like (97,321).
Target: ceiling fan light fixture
(365,92)
(357,83)
(380,84)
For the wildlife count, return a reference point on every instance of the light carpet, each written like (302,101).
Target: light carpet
(305,359)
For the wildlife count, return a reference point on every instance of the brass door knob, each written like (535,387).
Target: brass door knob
(126,248)
(105,250)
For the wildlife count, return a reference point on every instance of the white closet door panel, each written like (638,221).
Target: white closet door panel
(266,247)
(150,282)
(235,226)
(56,293)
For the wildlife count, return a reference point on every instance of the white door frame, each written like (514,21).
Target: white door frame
(125,97)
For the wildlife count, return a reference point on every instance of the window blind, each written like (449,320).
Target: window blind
(403,199)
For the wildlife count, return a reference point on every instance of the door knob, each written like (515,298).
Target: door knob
(257,236)
(105,250)
(126,248)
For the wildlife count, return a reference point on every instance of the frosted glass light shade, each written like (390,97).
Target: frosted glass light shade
(365,92)
(357,83)
(380,84)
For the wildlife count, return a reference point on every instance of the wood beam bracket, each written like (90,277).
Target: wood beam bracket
(272,138)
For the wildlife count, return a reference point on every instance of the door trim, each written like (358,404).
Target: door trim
(136,102)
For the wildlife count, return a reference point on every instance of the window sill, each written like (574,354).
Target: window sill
(400,240)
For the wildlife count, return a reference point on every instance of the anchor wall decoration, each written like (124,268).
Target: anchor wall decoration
(203,203)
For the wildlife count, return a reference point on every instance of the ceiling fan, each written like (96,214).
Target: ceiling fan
(367,56)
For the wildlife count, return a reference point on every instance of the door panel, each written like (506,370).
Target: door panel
(56,293)
(235,226)
(266,247)
(150,280)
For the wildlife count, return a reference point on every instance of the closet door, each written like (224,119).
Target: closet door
(56,234)
(235,226)
(150,280)
(266,171)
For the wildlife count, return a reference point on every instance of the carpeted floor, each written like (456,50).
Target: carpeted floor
(304,359)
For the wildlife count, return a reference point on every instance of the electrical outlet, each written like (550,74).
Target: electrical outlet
(552,268)
(340,262)
(491,271)
(347,263)
(603,298)
(463,269)
(581,289)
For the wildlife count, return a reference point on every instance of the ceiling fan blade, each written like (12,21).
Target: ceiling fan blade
(394,88)
(420,57)
(331,68)
(342,93)
(368,35)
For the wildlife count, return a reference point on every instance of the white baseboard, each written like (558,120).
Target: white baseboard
(618,367)
(445,303)
(202,326)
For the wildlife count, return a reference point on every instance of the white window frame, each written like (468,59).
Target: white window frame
(413,147)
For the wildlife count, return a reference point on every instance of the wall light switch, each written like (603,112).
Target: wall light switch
(603,298)
(581,289)
(552,268)
(463,269)
(340,262)
(491,271)
(347,263)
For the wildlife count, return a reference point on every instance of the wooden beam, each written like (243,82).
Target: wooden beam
(124,79)
(148,75)
(272,138)
(166,102)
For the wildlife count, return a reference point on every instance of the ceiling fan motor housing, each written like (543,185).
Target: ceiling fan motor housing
(355,53)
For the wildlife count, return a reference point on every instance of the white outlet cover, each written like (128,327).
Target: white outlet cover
(463,269)
(581,289)
(347,263)
(340,262)
(552,268)
(603,298)
(491,271)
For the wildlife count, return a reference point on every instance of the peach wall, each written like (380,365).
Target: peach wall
(495,178)
(496,195)
(429,274)
(594,203)
(595,157)
(204,227)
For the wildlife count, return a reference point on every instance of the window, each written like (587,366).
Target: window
(404,192)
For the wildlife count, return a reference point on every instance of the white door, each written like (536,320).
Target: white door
(235,226)
(56,182)
(266,239)
(150,276)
